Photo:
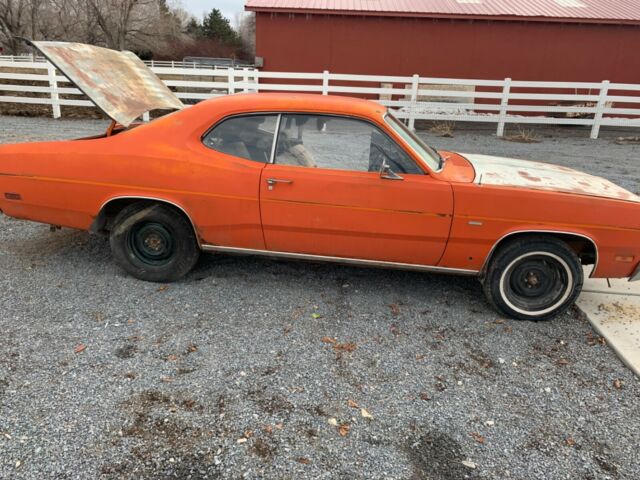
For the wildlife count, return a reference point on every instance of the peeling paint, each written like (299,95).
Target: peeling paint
(510,172)
(119,83)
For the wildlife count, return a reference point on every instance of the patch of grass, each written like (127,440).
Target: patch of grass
(523,136)
(443,129)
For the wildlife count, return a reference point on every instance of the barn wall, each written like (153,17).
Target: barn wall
(449,48)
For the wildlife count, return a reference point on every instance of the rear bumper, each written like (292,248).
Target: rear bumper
(635,276)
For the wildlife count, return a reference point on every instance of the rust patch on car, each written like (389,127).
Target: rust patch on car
(526,175)
(119,83)
(509,172)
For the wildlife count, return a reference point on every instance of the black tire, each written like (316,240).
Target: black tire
(154,242)
(533,278)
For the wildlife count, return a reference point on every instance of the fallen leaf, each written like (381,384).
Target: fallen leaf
(333,422)
(570,441)
(425,396)
(316,316)
(248,434)
(192,348)
(279,426)
(287,330)
(468,464)
(563,361)
(617,383)
(81,347)
(343,430)
(499,321)
(267,428)
(162,288)
(395,330)
(366,414)
(477,437)
(329,340)
(352,404)
(241,440)
(303,460)
(395,309)
(345,347)
(172,358)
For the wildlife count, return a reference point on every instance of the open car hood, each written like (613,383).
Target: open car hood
(119,83)
(510,172)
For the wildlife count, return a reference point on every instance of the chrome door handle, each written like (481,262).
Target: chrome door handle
(272,181)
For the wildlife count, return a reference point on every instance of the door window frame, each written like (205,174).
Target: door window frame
(348,117)
(279,115)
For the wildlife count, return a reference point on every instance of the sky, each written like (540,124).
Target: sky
(229,8)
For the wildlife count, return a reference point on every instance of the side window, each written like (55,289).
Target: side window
(338,143)
(249,137)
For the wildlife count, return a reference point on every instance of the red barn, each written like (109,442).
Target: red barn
(555,40)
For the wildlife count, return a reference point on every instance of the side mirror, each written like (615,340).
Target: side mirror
(387,174)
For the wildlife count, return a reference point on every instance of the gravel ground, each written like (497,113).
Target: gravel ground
(252,368)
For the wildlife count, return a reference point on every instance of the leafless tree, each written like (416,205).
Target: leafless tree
(246,27)
(17,19)
(157,26)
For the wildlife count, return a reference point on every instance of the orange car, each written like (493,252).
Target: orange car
(317,178)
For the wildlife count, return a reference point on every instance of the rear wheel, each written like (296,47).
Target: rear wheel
(154,242)
(534,278)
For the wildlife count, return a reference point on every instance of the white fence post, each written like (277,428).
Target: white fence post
(504,103)
(415,84)
(325,82)
(602,103)
(256,80)
(55,96)
(245,79)
(231,76)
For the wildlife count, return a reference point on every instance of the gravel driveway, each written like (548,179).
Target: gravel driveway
(252,368)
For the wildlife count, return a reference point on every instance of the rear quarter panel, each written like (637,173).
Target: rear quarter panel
(66,183)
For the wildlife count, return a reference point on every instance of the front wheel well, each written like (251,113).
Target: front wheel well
(103,222)
(583,246)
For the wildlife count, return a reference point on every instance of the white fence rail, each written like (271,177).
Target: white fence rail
(23,80)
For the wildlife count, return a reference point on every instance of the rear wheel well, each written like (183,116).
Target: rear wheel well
(583,246)
(104,221)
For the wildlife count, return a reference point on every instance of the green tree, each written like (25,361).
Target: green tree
(216,27)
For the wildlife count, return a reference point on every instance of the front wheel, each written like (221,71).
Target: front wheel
(534,278)
(154,242)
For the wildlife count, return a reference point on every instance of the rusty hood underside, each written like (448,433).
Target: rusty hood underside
(510,172)
(119,83)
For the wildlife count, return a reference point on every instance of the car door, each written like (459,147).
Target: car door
(324,194)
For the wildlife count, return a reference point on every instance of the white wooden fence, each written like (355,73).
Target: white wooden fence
(412,98)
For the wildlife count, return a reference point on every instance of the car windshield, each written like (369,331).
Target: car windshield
(430,156)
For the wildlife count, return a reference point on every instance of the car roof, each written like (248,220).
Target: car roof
(294,102)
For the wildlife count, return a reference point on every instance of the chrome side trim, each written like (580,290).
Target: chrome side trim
(495,245)
(156,199)
(343,260)
(636,274)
